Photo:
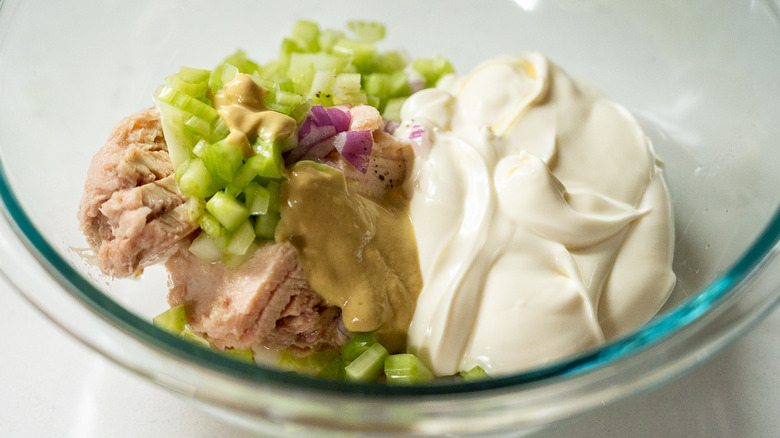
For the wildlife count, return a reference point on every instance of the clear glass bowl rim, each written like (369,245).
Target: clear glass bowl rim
(647,336)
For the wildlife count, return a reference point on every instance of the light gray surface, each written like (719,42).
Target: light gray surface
(54,386)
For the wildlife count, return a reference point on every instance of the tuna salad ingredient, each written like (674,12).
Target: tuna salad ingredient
(369,218)
(132,212)
(543,223)
(200,182)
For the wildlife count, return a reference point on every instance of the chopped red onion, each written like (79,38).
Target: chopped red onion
(391,126)
(355,147)
(320,124)
(317,134)
(343,329)
(331,164)
(308,136)
(416,85)
(421,143)
(320,150)
(319,116)
(340,119)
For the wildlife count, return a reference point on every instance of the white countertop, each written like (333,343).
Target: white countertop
(54,386)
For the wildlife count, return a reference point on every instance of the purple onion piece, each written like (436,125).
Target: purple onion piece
(421,143)
(391,126)
(320,150)
(355,147)
(305,127)
(319,115)
(308,138)
(340,119)
(330,163)
(416,85)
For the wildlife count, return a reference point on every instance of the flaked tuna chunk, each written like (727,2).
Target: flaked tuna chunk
(388,163)
(364,118)
(265,302)
(386,167)
(134,215)
(132,212)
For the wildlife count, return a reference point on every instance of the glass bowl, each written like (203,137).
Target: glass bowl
(700,76)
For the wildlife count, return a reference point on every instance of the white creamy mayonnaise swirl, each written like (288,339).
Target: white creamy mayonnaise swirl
(542,219)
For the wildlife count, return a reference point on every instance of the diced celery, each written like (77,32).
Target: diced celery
(406,369)
(188,104)
(240,355)
(279,108)
(210,225)
(195,338)
(257,199)
(286,50)
(360,53)
(225,72)
(433,69)
(275,69)
(228,73)
(367,31)
(298,113)
(229,212)
(320,359)
(347,83)
(373,101)
(210,132)
(198,126)
(221,75)
(200,148)
(234,261)
(193,89)
(181,169)
(318,61)
(206,248)
(242,62)
(390,62)
(398,85)
(179,139)
(241,239)
(268,162)
(244,175)
(196,180)
(291,362)
(377,84)
(285,85)
(346,89)
(328,38)
(195,75)
(334,370)
(195,207)
(392,109)
(265,225)
(368,366)
(219,129)
(223,160)
(301,78)
(266,84)
(476,373)
(351,99)
(274,196)
(320,87)
(173,320)
(359,343)
(306,34)
(288,99)
(215,80)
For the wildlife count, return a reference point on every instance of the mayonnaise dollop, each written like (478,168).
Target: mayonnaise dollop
(542,220)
